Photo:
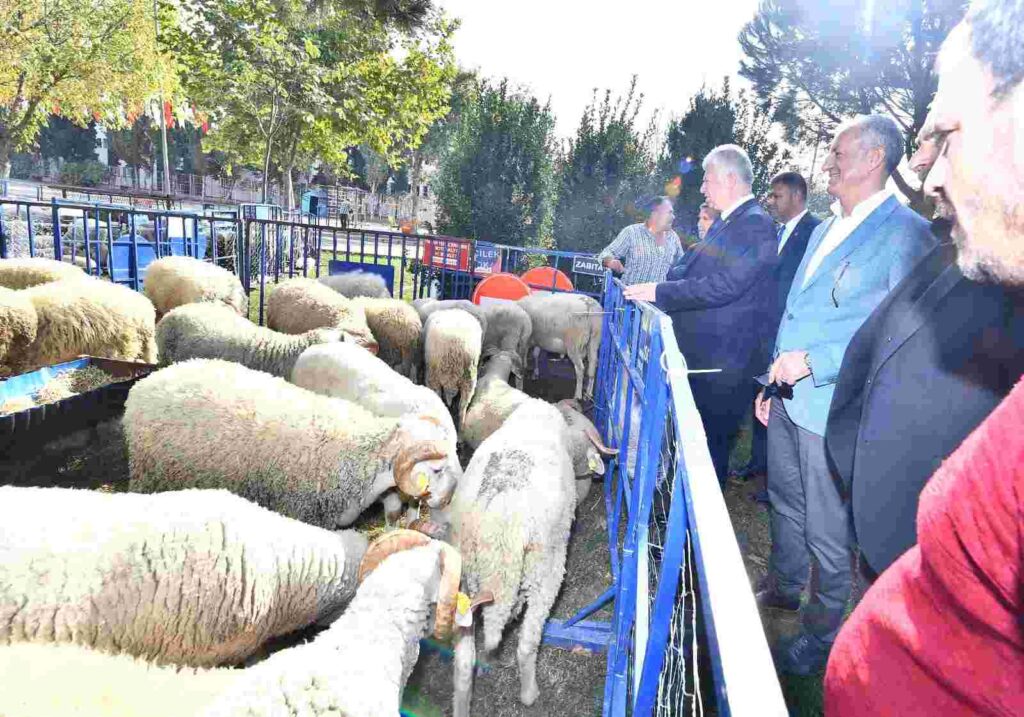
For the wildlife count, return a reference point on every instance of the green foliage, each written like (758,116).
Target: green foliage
(496,180)
(715,118)
(818,64)
(60,138)
(287,83)
(89,173)
(604,171)
(133,145)
(82,59)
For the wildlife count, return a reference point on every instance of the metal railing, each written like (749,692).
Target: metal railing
(685,621)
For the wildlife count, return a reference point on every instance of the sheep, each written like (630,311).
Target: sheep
(18,326)
(425,307)
(451,344)
(510,518)
(346,371)
(76,317)
(26,272)
(495,400)
(508,329)
(397,328)
(567,324)
(357,283)
(207,423)
(193,577)
(300,305)
(358,667)
(214,331)
(177,280)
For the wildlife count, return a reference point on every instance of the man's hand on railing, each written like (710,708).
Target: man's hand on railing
(640,292)
(615,265)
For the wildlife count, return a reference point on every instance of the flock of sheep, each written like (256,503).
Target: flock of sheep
(251,451)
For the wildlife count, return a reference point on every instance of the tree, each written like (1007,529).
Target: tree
(287,81)
(133,146)
(606,167)
(496,180)
(715,118)
(86,60)
(819,64)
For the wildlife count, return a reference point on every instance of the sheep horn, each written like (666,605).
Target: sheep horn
(448,592)
(389,544)
(483,598)
(429,527)
(595,438)
(407,458)
(570,403)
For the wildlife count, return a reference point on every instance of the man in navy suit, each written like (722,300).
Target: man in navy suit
(853,260)
(932,361)
(787,204)
(716,297)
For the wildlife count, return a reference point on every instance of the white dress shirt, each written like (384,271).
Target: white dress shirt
(842,227)
(735,205)
(788,229)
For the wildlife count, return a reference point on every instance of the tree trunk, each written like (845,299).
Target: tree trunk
(5,160)
(289,189)
(918,201)
(414,180)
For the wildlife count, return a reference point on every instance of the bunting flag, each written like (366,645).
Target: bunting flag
(168,115)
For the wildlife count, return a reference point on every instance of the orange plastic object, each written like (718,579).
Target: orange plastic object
(546,277)
(500,287)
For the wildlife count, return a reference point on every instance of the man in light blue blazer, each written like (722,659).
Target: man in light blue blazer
(853,259)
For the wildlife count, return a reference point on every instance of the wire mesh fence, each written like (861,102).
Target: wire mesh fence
(687,639)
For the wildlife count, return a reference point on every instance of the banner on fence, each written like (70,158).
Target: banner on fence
(486,258)
(587,265)
(446,253)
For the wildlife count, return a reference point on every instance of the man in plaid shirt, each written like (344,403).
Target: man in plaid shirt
(643,253)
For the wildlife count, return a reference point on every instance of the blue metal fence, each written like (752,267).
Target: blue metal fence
(683,603)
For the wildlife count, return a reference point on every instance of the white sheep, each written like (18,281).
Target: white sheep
(25,272)
(451,348)
(347,371)
(188,577)
(213,424)
(357,668)
(510,519)
(425,307)
(397,328)
(357,283)
(508,329)
(214,331)
(177,280)
(18,326)
(300,305)
(495,400)
(76,317)
(567,324)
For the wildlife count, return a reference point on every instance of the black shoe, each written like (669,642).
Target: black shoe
(771,599)
(806,655)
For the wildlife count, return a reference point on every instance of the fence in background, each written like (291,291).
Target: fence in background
(685,621)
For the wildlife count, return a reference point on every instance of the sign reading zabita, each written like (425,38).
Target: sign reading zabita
(587,265)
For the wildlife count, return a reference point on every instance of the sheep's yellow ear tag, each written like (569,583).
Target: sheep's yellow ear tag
(463,615)
(595,464)
(422,482)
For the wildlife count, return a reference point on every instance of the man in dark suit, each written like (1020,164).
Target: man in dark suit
(933,360)
(787,204)
(716,295)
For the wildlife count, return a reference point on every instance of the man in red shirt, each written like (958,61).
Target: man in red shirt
(942,630)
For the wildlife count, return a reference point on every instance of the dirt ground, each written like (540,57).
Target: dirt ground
(571,683)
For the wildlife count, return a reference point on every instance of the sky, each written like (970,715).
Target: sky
(563,49)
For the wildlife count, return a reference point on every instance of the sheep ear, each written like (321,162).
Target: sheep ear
(430,528)
(448,592)
(484,597)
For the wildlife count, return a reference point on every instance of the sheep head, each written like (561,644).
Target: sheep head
(513,359)
(423,466)
(448,597)
(585,443)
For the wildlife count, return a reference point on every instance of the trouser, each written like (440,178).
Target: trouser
(758,447)
(721,399)
(810,525)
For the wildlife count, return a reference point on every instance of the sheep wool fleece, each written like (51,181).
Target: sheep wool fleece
(214,424)
(188,577)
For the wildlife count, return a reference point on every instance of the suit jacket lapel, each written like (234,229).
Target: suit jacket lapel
(862,233)
(817,236)
(920,311)
(715,231)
